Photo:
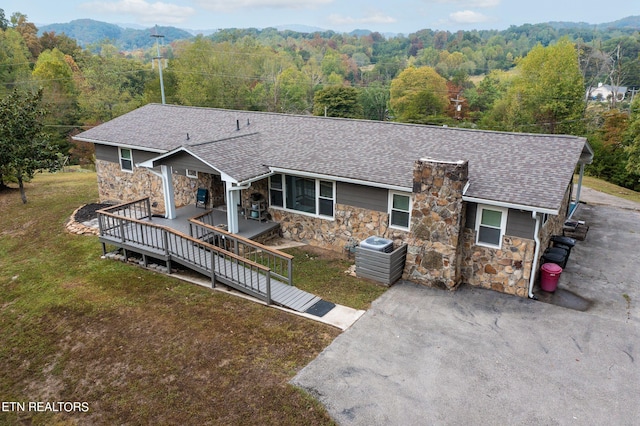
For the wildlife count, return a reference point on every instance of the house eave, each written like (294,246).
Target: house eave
(120,145)
(341,179)
(587,154)
(515,206)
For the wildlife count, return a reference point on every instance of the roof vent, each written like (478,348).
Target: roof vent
(237,124)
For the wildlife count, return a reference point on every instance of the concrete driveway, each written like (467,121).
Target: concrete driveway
(426,356)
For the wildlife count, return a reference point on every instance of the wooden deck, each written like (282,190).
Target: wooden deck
(149,239)
(247,228)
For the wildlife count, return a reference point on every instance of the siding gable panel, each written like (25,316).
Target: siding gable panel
(520,224)
(362,196)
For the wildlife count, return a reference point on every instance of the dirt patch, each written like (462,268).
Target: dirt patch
(324,254)
(5,194)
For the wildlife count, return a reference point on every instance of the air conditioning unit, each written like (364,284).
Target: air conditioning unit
(378,244)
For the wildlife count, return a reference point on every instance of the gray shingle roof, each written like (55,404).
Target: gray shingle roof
(526,169)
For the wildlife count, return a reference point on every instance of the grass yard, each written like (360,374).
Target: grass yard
(139,347)
(609,188)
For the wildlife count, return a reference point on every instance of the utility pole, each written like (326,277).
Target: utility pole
(159,58)
(458,103)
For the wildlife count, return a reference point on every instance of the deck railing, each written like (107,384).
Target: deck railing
(122,225)
(280,263)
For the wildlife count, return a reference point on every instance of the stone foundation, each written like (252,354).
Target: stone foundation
(506,270)
(351,225)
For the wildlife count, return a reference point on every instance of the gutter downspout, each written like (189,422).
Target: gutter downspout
(534,264)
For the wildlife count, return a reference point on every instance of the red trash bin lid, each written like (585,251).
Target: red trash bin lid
(551,268)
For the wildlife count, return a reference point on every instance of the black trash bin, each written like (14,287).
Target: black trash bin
(561,239)
(563,242)
(555,255)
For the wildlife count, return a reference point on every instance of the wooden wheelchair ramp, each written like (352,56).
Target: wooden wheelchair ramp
(130,233)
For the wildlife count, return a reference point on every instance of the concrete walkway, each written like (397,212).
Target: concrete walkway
(423,356)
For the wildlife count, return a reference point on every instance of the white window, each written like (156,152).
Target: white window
(399,210)
(126,159)
(491,223)
(276,197)
(302,194)
(325,198)
(193,174)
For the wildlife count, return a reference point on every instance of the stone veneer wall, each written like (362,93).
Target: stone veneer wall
(554,223)
(351,225)
(506,270)
(441,252)
(437,217)
(117,186)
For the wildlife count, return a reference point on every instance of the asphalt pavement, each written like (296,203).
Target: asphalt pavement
(422,356)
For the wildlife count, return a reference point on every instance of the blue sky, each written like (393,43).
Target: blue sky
(390,16)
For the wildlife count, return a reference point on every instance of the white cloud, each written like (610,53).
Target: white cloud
(468,17)
(372,18)
(469,3)
(483,3)
(143,11)
(229,5)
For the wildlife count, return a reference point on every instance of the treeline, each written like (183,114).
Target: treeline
(532,78)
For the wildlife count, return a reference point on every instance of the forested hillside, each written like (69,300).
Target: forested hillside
(88,32)
(530,78)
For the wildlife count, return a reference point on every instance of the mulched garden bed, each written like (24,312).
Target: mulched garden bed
(88,211)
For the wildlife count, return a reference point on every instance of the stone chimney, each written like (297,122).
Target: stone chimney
(437,216)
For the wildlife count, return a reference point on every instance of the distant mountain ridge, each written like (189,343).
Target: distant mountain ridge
(630,22)
(88,31)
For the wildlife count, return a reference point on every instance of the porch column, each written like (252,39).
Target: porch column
(233,199)
(167,188)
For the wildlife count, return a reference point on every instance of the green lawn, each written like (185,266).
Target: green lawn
(137,346)
(609,188)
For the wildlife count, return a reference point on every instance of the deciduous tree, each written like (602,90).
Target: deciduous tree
(632,139)
(24,146)
(337,101)
(417,94)
(547,93)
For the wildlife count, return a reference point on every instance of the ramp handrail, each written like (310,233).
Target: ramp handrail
(280,263)
(120,225)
